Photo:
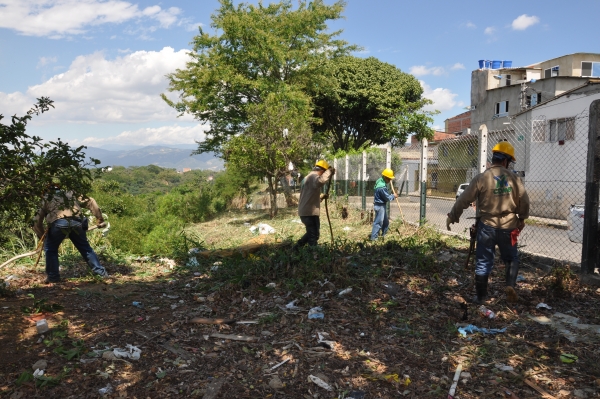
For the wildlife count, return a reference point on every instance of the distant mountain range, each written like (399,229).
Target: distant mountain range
(163,156)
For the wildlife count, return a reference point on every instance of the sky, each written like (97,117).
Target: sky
(104,62)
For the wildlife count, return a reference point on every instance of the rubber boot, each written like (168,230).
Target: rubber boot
(512,271)
(481,286)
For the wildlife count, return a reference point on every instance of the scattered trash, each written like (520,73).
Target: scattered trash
(192,262)
(276,383)
(520,278)
(202,320)
(346,291)
(542,305)
(38,373)
(485,312)
(568,358)
(346,228)
(560,321)
(106,390)
(316,313)
(320,382)
(169,262)
(234,337)
(41,326)
(215,266)
(297,221)
(262,228)
(281,363)
(194,251)
(130,351)
(138,304)
(40,364)
(292,305)
(503,367)
(455,381)
(325,340)
(271,285)
(473,329)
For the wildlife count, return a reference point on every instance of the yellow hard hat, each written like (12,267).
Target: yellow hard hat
(321,163)
(388,173)
(505,148)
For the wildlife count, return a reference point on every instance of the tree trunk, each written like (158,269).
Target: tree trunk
(272,195)
(287,191)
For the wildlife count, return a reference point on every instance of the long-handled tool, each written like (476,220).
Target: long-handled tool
(326,208)
(40,246)
(397,202)
(473,237)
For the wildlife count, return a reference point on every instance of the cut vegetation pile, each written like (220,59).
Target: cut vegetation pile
(238,326)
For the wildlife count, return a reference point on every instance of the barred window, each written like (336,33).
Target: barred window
(561,129)
(539,131)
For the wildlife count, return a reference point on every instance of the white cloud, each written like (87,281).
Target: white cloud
(57,18)
(524,21)
(443,99)
(97,90)
(489,30)
(457,66)
(124,51)
(45,61)
(422,70)
(470,25)
(174,134)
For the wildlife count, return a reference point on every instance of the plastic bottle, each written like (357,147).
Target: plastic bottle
(485,312)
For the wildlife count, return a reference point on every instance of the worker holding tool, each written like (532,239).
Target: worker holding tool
(382,196)
(502,207)
(64,219)
(309,203)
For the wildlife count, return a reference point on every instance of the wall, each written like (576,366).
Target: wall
(458,123)
(555,176)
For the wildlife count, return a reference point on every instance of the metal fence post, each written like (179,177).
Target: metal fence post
(424,150)
(364,181)
(346,175)
(388,165)
(589,249)
(482,158)
(335,166)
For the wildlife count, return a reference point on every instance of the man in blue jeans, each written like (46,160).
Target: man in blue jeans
(63,216)
(502,207)
(381,197)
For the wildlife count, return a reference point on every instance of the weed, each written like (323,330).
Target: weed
(40,306)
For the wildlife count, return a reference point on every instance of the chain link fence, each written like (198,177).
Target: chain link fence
(551,159)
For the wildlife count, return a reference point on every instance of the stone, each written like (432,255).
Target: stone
(40,364)
(276,383)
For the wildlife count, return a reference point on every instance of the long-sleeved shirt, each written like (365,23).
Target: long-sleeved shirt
(55,208)
(381,195)
(501,198)
(309,203)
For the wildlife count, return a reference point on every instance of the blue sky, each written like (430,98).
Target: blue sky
(104,61)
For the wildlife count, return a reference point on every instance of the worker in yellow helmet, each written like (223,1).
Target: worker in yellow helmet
(502,207)
(380,198)
(309,203)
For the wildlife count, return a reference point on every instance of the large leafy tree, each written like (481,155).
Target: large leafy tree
(370,102)
(255,50)
(28,165)
(278,133)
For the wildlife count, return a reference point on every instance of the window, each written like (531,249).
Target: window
(508,80)
(502,108)
(538,131)
(561,129)
(536,98)
(551,72)
(590,69)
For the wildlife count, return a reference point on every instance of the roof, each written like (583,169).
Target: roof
(555,58)
(464,114)
(588,83)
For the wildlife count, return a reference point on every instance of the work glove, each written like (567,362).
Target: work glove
(332,169)
(521,224)
(324,196)
(448,223)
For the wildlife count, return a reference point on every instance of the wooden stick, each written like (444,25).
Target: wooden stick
(327,209)
(202,320)
(234,337)
(397,202)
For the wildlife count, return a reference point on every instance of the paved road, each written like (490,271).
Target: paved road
(540,240)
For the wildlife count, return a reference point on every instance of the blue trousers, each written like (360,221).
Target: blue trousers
(313,231)
(72,229)
(487,239)
(381,221)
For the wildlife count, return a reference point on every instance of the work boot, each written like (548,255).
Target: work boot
(512,272)
(481,285)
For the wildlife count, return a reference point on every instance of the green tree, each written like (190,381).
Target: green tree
(370,102)
(278,133)
(28,165)
(256,50)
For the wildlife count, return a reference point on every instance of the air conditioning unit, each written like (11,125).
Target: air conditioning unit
(473,107)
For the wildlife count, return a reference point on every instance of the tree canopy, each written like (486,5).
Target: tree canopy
(370,102)
(28,165)
(255,51)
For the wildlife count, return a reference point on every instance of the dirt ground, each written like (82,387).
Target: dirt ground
(396,337)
